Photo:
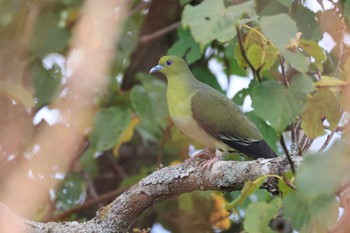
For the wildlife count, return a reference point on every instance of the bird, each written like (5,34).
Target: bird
(208,116)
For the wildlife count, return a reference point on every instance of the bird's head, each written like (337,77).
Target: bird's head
(170,66)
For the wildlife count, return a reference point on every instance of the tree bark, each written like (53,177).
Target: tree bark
(162,14)
(165,183)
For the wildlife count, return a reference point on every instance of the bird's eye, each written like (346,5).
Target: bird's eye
(169,62)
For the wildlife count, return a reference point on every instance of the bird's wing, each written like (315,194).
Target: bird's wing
(223,119)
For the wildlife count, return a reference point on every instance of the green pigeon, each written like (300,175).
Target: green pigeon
(208,116)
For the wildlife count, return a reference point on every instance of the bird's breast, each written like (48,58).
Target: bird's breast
(181,114)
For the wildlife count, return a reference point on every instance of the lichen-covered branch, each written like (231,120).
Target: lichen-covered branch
(165,183)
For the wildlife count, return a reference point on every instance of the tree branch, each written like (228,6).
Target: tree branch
(244,55)
(156,34)
(165,183)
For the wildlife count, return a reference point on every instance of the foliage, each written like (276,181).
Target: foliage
(287,102)
(297,91)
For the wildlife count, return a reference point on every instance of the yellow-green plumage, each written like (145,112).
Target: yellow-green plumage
(207,115)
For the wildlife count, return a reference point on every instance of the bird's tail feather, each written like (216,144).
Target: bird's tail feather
(255,150)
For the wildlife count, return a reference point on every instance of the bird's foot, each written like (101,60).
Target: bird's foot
(209,162)
(204,154)
(209,156)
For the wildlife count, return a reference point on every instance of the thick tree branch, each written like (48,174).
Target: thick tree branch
(165,183)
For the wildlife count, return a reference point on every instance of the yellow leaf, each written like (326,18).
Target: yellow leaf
(18,93)
(321,104)
(327,81)
(255,55)
(127,133)
(175,162)
(220,216)
(313,49)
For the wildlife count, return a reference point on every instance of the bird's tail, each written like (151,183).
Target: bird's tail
(254,150)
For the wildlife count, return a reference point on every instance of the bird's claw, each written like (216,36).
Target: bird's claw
(203,154)
(209,162)
(208,155)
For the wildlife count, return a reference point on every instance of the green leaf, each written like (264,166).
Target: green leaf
(312,49)
(258,216)
(346,11)
(272,8)
(254,37)
(253,48)
(186,47)
(128,40)
(260,53)
(286,3)
(248,189)
(210,20)
(267,131)
(232,67)
(186,202)
(279,105)
(313,208)
(89,162)
(239,57)
(297,59)
(270,56)
(149,100)
(242,94)
(72,192)
(262,58)
(330,167)
(142,103)
(307,22)
(323,103)
(46,83)
(109,124)
(280,29)
(255,56)
(17,92)
(48,36)
(204,75)
(282,185)
(310,216)
(327,81)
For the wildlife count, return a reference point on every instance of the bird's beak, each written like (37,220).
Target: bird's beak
(155,69)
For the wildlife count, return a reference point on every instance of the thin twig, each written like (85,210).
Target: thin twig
(139,7)
(326,142)
(289,183)
(87,204)
(156,34)
(293,133)
(301,144)
(116,167)
(283,144)
(25,33)
(308,144)
(341,45)
(166,136)
(297,131)
(294,141)
(283,71)
(244,55)
(91,187)
(338,129)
